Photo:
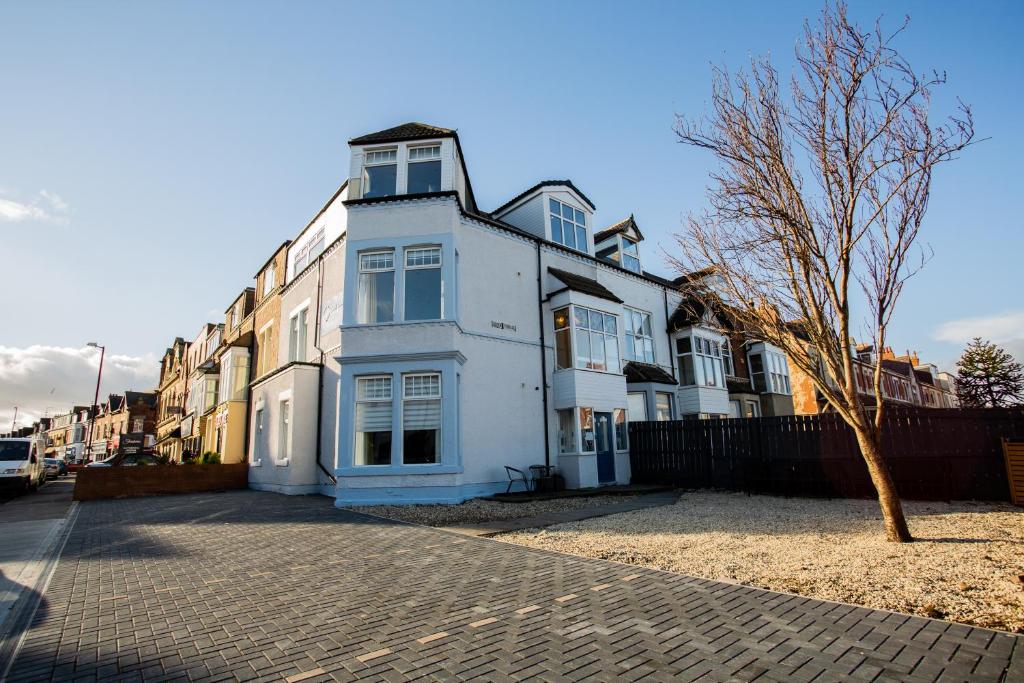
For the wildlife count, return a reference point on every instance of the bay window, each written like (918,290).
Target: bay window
(639,338)
(421,419)
(594,335)
(376,298)
(700,362)
(380,173)
(373,415)
(424,170)
(234,374)
(423,284)
(769,372)
(568,225)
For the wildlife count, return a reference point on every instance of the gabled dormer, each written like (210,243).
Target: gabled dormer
(620,244)
(554,210)
(410,159)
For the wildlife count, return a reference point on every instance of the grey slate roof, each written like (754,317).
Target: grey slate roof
(585,285)
(644,372)
(545,183)
(407,131)
(621,226)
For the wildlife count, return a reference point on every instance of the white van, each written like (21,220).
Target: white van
(21,464)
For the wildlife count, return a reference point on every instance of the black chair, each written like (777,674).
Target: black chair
(515,475)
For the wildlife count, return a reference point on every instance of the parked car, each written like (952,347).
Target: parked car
(127,460)
(20,465)
(55,467)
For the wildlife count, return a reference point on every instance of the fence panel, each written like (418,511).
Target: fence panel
(933,454)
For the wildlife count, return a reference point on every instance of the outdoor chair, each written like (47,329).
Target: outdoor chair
(515,475)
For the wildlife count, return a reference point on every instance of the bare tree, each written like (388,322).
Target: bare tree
(816,207)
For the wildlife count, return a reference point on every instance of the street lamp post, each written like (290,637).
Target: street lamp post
(95,400)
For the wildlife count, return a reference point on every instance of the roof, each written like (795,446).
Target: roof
(272,256)
(644,372)
(406,131)
(114,402)
(621,226)
(584,285)
(695,275)
(898,366)
(924,377)
(545,183)
(691,311)
(147,397)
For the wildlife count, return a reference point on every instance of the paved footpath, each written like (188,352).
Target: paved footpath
(248,585)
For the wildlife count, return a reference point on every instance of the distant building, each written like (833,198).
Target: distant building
(172,393)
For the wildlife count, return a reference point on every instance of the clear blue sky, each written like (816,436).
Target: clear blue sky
(187,140)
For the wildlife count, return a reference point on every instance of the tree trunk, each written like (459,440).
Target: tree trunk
(896,529)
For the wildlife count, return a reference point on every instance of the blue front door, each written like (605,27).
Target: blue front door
(603,427)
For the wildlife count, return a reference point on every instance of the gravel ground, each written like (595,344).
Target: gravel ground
(967,566)
(475,511)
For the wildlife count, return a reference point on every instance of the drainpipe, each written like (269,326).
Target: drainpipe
(668,332)
(543,360)
(320,370)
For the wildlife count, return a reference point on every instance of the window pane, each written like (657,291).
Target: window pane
(581,238)
(631,352)
(422,386)
(611,353)
(554,206)
(380,260)
(563,350)
(566,211)
(579,217)
(597,352)
(556,230)
(566,432)
(683,345)
(629,247)
(424,176)
(582,317)
(380,181)
(561,318)
(637,404)
(423,257)
(587,430)
(663,406)
(620,429)
(583,352)
(686,370)
(376,297)
(569,235)
(423,294)
(609,324)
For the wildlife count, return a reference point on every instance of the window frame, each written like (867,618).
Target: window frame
(439,266)
(400,426)
(355,430)
(284,431)
(629,311)
(623,260)
(562,218)
(367,164)
(699,361)
(297,344)
(409,161)
(361,270)
(575,336)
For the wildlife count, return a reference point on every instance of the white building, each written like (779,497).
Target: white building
(430,343)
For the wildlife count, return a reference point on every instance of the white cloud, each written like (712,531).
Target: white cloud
(1006,330)
(46,206)
(52,379)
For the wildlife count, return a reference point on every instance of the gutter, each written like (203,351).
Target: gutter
(668,333)
(543,360)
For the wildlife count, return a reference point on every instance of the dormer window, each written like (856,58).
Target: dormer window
(380,173)
(568,225)
(424,169)
(630,254)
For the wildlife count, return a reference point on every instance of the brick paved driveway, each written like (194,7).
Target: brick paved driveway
(248,585)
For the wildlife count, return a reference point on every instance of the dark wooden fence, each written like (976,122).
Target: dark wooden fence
(933,454)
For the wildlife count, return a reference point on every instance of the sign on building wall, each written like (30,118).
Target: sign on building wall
(330,311)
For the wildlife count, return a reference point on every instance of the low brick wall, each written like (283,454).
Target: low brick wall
(92,483)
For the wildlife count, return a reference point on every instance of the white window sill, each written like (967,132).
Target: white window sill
(257,463)
(282,463)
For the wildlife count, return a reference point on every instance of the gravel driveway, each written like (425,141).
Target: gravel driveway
(967,566)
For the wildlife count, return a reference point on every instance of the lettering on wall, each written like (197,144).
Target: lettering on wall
(503,326)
